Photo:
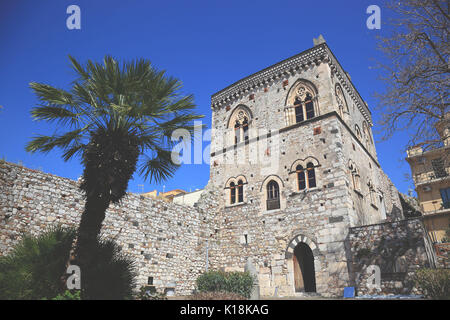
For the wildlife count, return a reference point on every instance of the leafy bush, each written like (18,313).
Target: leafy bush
(67,295)
(217,295)
(240,283)
(34,269)
(434,283)
(145,294)
(212,281)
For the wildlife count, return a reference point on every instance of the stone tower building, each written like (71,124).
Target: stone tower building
(293,167)
(296,194)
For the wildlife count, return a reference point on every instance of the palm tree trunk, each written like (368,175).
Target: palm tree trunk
(110,160)
(90,224)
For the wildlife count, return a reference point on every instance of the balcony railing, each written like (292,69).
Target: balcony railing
(273,204)
(430,176)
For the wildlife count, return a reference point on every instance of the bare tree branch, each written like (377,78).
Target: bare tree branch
(416,77)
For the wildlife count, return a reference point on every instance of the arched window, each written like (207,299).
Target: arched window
(366,132)
(301,103)
(358,132)
(235,187)
(301,177)
(306,174)
(355,176)
(273,195)
(311,175)
(372,193)
(240,191)
(240,122)
(232,193)
(342,103)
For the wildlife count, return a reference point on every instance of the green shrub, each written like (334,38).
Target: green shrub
(145,294)
(212,281)
(217,295)
(240,283)
(67,295)
(434,283)
(34,269)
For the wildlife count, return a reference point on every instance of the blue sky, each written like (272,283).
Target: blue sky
(206,44)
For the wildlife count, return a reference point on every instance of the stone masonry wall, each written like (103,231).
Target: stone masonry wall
(162,238)
(398,248)
(320,215)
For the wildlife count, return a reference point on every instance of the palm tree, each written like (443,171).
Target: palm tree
(118,118)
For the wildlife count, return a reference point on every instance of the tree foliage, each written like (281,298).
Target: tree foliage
(117,117)
(133,97)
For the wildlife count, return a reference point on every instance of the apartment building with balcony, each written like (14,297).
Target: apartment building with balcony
(431,173)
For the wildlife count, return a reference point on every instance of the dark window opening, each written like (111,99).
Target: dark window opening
(309,106)
(445,195)
(311,175)
(245,128)
(240,189)
(237,133)
(273,195)
(301,178)
(232,193)
(299,113)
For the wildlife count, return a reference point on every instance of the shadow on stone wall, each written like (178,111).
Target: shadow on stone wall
(398,248)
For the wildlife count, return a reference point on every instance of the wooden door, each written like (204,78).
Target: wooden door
(298,277)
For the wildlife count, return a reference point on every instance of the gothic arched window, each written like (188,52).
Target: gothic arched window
(366,133)
(273,195)
(342,103)
(372,193)
(355,176)
(301,103)
(240,122)
(235,187)
(358,132)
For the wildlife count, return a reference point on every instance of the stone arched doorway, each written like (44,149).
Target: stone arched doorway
(303,264)
(304,274)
